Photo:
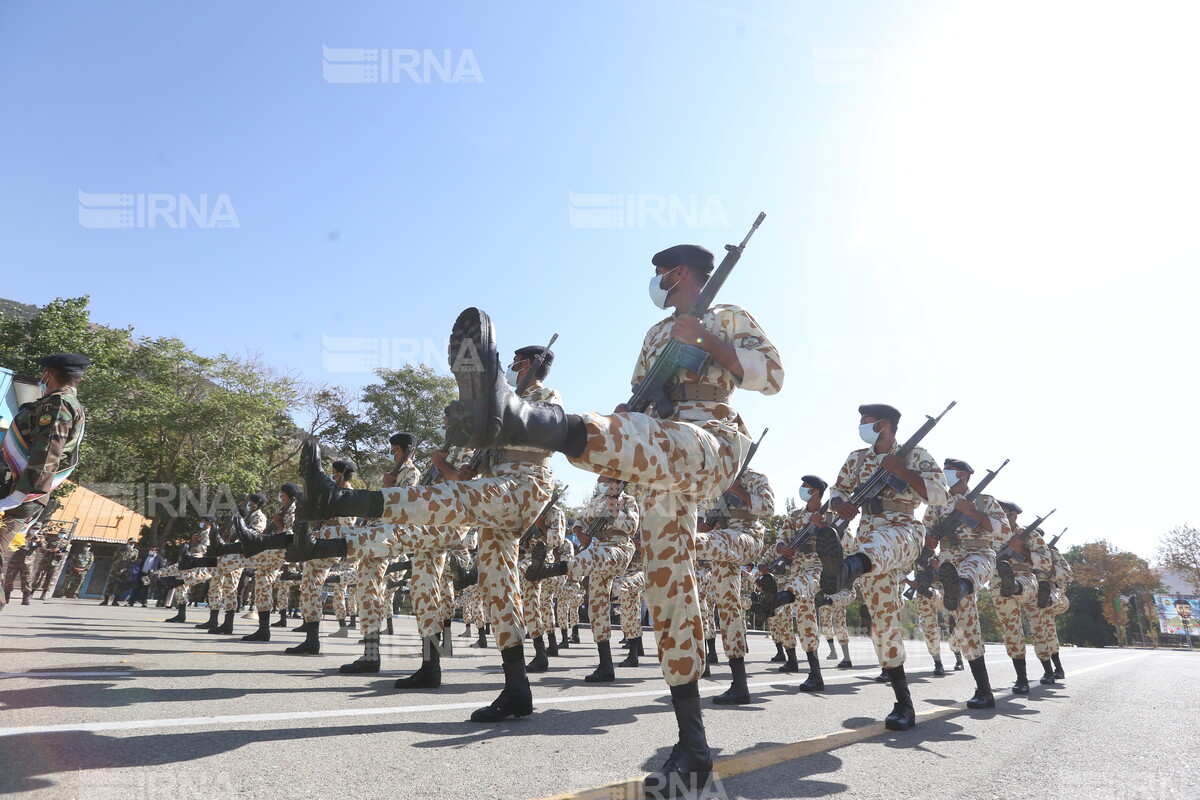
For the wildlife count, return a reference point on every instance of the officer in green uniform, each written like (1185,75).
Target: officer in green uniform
(41,446)
(77,568)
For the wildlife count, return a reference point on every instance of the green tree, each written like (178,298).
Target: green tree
(1179,551)
(1111,573)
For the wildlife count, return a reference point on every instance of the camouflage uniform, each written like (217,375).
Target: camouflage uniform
(891,539)
(49,558)
(682,461)
(727,549)
(927,614)
(536,597)
(707,584)
(18,566)
(118,573)
(222,588)
(1008,609)
(629,588)
(607,556)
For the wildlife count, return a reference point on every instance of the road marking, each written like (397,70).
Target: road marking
(781,754)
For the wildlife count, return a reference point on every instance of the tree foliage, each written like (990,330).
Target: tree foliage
(1179,551)
(1112,574)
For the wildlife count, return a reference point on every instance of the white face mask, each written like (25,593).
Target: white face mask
(806,494)
(43,388)
(512,376)
(867,432)
(658,295)
(951,477)
(203,527)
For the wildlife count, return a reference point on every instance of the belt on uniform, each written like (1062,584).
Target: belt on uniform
(971,542)
(741,513)
(879,505)
(699,392)
(612,536)
(510,456)
(1020,566)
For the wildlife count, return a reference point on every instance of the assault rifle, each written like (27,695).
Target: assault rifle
(782,562)
(677,357)
(719,517)
(951,522)
(1054,541)
(533,529)
(1015,548)
(882,479)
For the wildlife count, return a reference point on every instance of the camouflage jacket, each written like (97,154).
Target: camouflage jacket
(52,427)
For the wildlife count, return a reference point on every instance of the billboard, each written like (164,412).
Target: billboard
(1178,614)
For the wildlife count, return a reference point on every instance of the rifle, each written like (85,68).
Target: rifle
(1054,541)
(781,563)
(951,522)
(533,529)
(729,500)
(677,357)
(482,458)
(882,479)
(1011,552)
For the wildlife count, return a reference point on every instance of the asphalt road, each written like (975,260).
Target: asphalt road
(102,703)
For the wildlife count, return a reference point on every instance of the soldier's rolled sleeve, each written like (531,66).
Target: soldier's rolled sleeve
(629,516)
(762,498)
(762,368)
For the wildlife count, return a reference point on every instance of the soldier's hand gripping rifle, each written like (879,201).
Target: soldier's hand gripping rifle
(1015,549)
(881,479)
(719,517)
(781,563)
(677,357)
(533,529)
(945,529)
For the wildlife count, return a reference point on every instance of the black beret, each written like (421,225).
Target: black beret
(958,464)
(71,362)
(258,498)
(292,490)
(533,351)
(405,440)
(1009,505)
(813,480)
(689,255)
(344,465)
(881,411)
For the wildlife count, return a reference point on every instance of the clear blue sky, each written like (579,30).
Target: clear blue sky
(995,206)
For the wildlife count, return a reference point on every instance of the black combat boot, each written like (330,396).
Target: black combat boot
(713,658)
(815,682)
(635,650)
(565,644)
(903,715)
(103,602)
(832,650)
(790,664)
(687,772)
(429,674)
(551,643)
(311,645)
(604,673)
(516,700)
(883,677)
(1058,668)
(481,642)
(187,561)
(983,689)
(466,634)
(1008,581)
(938,670)
(213,616)
(307,548)
(845,663)
(343,631)
(254,543)
(539,663)
(368,663)
(1043,598)
(958,662)
(738,692)
(323,499)
(263,634)
(838,571)
(781,599)
(303,627)
(1047,678)
(779,657)
(538,569)
(282,620)
(574,634)
(954,587)
(180,614)
(226,627)
(1022,684)
(390,629)
(447,639)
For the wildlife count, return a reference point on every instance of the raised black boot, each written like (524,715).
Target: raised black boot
(838,571)
(311,645)
(263,634)
(712,652)
(515,700)
(538,568)
(738,693)
(565,644)
(180,614)
(687,772)
(845,663)
(1008,580)
(368,663)
(779,657)
(958,662)
(604,673)
(1043,598)
(1058,668)
(323,499)
(938,670)
(635,650)
(539,663)
(790,664)
(815,682)
(1047,678)
(903,715)
(983,689)
(187,561)
(213,616)
(1022,684)
(832,650)
(282,620)
(226,627)
(954,586)
(307,548)
(551,643)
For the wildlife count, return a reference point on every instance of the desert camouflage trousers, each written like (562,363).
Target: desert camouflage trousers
(977,566)
(782,626)
(502,503)
(832,617)
(708,600)
(629,588)
(927,615)
(222,587)
(569,599)
(1043,630)
(1008,609)
(805,583)
(892,541)
(601,563)
(727,550)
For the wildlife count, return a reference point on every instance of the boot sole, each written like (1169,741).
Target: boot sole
(1043,598)
(949,577)
(472,419)
(1007,581)
(316,483)
(829,550)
